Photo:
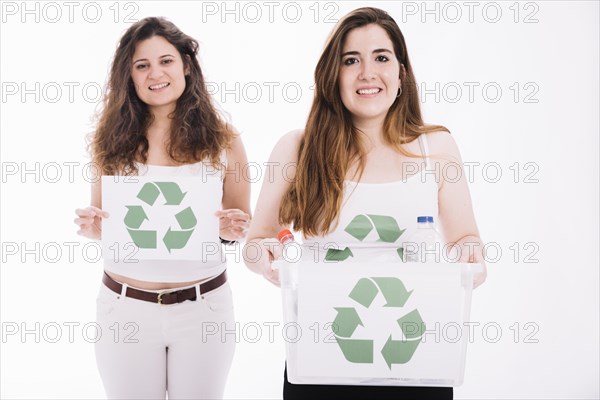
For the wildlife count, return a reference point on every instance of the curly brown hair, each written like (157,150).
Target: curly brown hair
(198,131)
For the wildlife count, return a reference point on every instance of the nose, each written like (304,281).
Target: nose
(367,70)
(154,72)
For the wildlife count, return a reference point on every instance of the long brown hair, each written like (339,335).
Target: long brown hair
(331,142)
(198,132)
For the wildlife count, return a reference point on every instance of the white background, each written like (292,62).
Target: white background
(551,211)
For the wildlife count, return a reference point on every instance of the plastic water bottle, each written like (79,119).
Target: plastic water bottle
(291,249)
(425,244)
(289,274)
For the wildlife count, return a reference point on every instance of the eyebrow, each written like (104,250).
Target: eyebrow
(354,53)
(145,59)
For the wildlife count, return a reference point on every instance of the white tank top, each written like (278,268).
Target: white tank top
(181,270)
(376,219)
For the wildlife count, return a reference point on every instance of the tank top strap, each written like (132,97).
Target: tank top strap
(425,150)
(224,158)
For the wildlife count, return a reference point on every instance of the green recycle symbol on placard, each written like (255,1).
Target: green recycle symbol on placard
(387,228)
(347,320)
(147,239)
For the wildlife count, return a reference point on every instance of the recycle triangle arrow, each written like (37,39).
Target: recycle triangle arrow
(172,192)
(364,292)
(186,218)
(398,351)
(176,239)
(387,228)
(135,216)
(346,321)
(393,290)
(338,255)
(412,325)
(357,350)
(359,227)
(143,239)
(149,193)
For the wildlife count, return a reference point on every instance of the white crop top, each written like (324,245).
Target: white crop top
(377,218)
(181,270)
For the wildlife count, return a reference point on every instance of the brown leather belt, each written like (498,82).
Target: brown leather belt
(167,296)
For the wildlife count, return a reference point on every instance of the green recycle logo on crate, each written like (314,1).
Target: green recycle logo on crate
(347,320)
(387,229)
(147,239)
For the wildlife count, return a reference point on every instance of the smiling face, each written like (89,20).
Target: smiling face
(158,73)
(369,76)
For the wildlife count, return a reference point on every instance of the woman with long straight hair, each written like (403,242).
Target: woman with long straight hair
(158,120)
(364,134)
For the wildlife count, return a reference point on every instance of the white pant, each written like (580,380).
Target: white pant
(147,349)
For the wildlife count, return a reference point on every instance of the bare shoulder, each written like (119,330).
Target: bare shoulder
(442,143)
(292,138)
(236,139)
(440,140)
(288,145)
(236,148)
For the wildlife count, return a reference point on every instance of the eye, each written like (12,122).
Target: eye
(141,66)
(350,61)
(382,58)
(167,61)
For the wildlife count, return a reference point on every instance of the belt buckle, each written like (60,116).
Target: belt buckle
(160,295)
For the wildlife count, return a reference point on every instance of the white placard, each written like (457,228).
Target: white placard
(411,323)
(159,218)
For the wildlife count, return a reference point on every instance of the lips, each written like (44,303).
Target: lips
(159,86)
(369,91)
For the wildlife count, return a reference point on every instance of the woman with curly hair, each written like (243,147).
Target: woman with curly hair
(158,119)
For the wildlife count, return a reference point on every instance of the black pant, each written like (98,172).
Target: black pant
(303,392)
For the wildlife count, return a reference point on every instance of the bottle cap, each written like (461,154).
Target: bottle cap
(283,234)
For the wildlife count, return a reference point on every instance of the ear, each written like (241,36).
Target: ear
(187,61)
(402,71)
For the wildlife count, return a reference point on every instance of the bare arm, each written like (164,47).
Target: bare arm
(457,219)
(235,216)
(261,247)
(89,219)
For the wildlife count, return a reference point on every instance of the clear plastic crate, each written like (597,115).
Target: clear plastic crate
(376,323)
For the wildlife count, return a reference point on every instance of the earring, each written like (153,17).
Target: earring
(399,92)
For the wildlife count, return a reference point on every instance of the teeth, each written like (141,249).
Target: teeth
(369,91)
(156,87)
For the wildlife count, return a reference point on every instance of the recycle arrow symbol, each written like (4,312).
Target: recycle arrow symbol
(133,219)
(401,351)
(387,229)
(347,320)
(149,193)
(392,288)
(143,239)
(147,239)
(170,190)
(344,325)
(135,216)
(338,255)
(178,239)
(398,351)
(358,351)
